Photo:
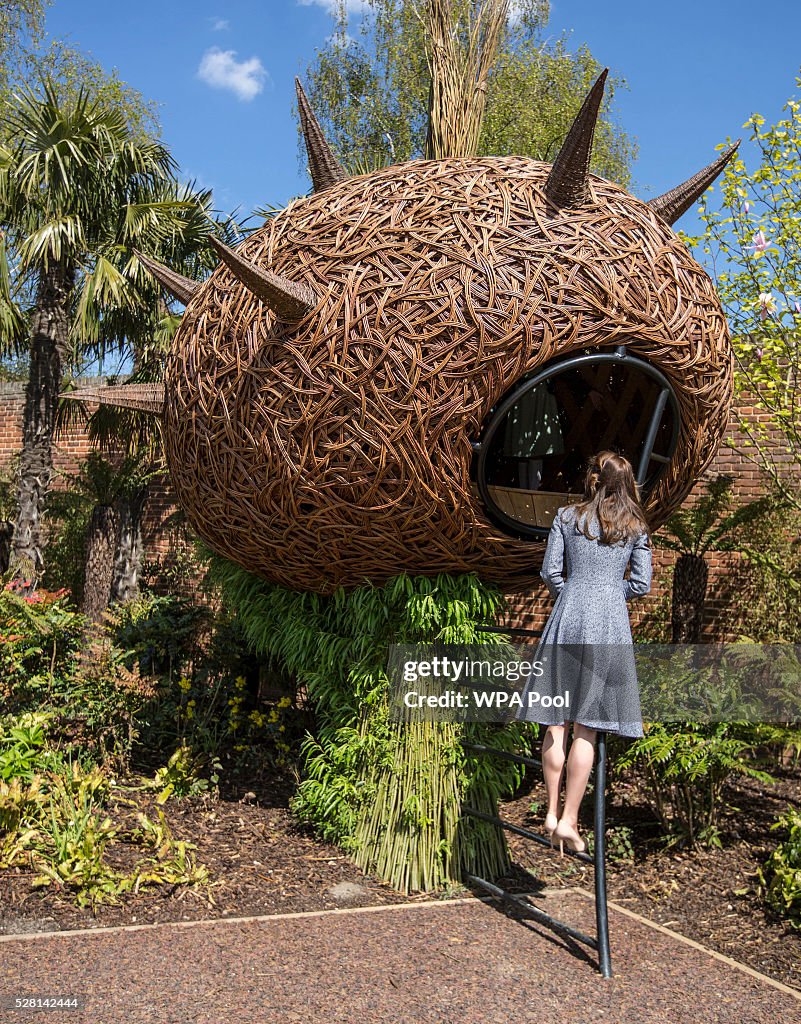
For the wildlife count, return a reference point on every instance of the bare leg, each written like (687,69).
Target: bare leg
(579,765)
(554,748)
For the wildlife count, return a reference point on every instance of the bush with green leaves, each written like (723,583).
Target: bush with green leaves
(22,747)
(182,775)
(389,792)
(752,244)
(47,663)
(202,700)
(39,635)
(56,817)
(686,766)
(780,877)
(160,633)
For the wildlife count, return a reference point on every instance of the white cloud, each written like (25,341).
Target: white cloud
(219,24)
(332,6)
(221,70)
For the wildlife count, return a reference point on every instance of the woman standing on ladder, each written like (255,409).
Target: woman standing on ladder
(586,646)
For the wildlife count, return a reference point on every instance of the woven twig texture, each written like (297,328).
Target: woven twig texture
(337,449)
(141,397)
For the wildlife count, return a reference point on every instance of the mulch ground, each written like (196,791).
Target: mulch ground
(263,862)
(260,859)
(710,895)
(467,962)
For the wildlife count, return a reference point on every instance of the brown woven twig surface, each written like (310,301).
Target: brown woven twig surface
(142,397)
(337,448)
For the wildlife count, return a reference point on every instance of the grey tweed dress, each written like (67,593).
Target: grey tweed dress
(586,645)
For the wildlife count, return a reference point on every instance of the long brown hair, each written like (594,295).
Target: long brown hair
(613,495)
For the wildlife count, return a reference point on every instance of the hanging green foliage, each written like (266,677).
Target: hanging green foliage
(390,793)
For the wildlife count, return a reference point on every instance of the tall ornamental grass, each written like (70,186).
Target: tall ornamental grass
(390,793)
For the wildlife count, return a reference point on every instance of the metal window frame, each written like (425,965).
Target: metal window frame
(481,448)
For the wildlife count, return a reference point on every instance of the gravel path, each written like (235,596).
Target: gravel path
(464,961)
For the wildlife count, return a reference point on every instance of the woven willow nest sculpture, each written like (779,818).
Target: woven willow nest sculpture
(328,381)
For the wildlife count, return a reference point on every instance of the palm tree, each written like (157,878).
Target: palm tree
(134,436)
(79,189)
(130,432)
(101,483)
(709,525)
(145,339)
(99,478)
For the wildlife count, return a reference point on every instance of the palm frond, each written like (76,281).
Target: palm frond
(12,320)
(55,240)
(743,515)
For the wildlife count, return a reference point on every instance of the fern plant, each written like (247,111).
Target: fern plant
(709,525)
(686,767)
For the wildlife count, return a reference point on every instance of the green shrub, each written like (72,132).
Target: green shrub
(56,817)
(780,876)
(99,702)
(160,634)
(181,776)
(686,766)
(389,792)
(47,663)
(39,634)
(22,741)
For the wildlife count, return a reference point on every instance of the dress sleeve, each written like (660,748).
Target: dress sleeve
(639,580)
(552,562)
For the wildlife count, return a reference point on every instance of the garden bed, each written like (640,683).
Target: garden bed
(263,862)
(709,895)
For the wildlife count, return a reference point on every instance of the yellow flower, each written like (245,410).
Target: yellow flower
(185,684)
(240,682)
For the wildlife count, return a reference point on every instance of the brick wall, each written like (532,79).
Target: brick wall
(530,609)
(71,448)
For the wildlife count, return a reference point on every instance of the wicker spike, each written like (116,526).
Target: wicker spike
(324,167)
(183,288)
(142,397)
(568,182)
(289,300)
(671,205)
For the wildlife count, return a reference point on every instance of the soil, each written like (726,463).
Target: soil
(709,895)
(262,861)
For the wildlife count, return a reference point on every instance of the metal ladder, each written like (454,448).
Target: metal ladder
(600,943)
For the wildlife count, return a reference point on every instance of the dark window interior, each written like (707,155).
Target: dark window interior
(535,453)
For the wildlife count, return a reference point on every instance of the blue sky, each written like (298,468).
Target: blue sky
(696,71)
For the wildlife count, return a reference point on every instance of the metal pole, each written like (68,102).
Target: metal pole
(601,914)
(536,913)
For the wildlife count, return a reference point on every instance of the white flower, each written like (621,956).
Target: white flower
(767,304)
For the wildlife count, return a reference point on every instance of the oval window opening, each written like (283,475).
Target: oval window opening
(539,438)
